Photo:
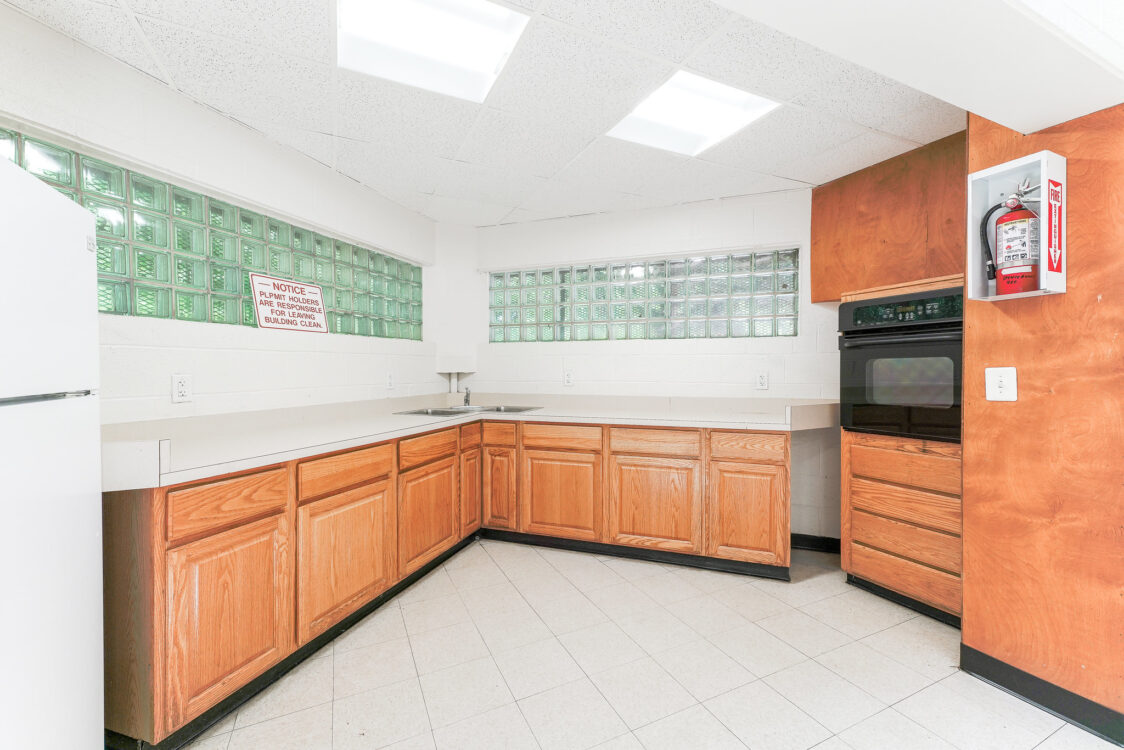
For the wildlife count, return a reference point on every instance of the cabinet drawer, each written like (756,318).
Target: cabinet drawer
(920,582)
(324,475)
(564,436)
(749,446)
(419,450)
(196,510)
(499,433)
(686,443)
(927,471)
(907,504)
(470,435)
(923,545)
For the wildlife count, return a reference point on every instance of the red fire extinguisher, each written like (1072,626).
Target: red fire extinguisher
(1013,264)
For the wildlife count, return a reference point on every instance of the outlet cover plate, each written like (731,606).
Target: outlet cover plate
(1001,384)
(181,389)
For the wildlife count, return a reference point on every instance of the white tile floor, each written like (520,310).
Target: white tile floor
(508,647)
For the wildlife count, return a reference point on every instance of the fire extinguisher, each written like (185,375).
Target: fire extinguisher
(1013,264)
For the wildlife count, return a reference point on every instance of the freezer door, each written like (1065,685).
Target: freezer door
(50,575)
(48,291)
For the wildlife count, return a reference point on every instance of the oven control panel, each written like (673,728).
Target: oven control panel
(945,307)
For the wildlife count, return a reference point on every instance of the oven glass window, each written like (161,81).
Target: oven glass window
(912,381)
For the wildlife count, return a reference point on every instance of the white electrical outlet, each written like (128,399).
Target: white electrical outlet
(761,382)
(390,381)
(181,389)
(1001,384)
(568,378)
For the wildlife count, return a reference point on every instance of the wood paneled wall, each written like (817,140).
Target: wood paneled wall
(1044,476)
(900,220)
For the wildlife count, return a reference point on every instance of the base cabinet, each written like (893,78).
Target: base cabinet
(499,487)
(656,502)
(428,513)
(470,478)
(230,613)
(345,555)
(747,512)
(560,494)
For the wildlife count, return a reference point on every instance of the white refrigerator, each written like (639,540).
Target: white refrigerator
(50,471)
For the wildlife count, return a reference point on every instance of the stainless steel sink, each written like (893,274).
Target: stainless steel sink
(455,411)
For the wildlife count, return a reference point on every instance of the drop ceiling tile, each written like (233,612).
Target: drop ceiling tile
(620,165)
(319,146)
(666,28)
(248,83)
(389,172)
(856,154)
(474,182)
(697,180)
(561,198)
(577,80)
(464,211)
(395,116)
(530,145)
(786,134)
(105,27)
(300,29)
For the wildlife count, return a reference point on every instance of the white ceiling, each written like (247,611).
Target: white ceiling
(536,147)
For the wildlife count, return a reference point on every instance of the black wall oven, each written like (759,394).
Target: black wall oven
(900,364)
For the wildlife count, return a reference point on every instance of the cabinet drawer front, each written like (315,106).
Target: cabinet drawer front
(196,510)
(914,542)
(419,450)
(686,443)
(907,504)
(927,471)
(920,582)
(564,436)
(749,446)
(323,475)
(499,433)
(470,435)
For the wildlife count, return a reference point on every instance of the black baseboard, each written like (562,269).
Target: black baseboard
(905,601)
(230,704)
(816,543)
(640,553)
(1100,720)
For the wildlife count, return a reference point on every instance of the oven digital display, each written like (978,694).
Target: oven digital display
(932,308)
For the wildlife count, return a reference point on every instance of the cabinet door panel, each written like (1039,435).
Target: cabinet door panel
(560,494)
(747,512)
(656,502)
(470,491)
(345,555)
(428,517)
(499,487)
(230,613)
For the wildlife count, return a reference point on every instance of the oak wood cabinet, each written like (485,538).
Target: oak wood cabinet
(499,469)
(656,502)
(428,513)
(471,477)
(747,512)
(560,494)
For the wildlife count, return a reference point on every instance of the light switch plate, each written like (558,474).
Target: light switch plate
(1001,384)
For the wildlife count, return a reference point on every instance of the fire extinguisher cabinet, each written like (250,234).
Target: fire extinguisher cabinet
(992,186)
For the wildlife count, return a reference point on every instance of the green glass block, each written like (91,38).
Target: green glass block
(360,258)
(405,291)
(328,294)
(495,334)
(740,328)
(719,285)
(618,272)
(343,275)
(786,304)
(529,315)
(391,287)
(103,179)
(581,275)
(581,332)
(546,314)
(599,274)
(225,309)
(190,272)
(225,279)
(392,329)
(416,292)
(495,316)
(619,311)
(719,264)
(113,258)
(190,306)
(251,224)
(249,314)
(764,261)
(696,287)
(618,331)
(514,280)
(252,255)
(718,329)
(763,305)
(657,270)
(563,333)
(187,205)
(513,297)
(378,327)
(152,301)
(657,290)
(280,261)
(278,232)
(677,329)
(113,296)
(546,333)
(657,310)
(8,145)
(763,282)
(48,162)
(378,285)
(677,269)
(786,281)
(741,263)
(222,246)
(637,330)
(582,293)
(405,271)
(495,281)
(513,315)
(762,326)
(657,330)
(377,263)
(247,286)
(392,268)
(531,296)
(636,271)
(150,228)
(498,299)
(697,267)
(344,299)
(638,291)
(152,265)
(786,326)
(416,313)
(530,278)
(677,308)
(719,307)
(221,215)
(696,329)
(741,285)
(741,306)
(546,277)
(696,308)
(599,311)
(416,277)
(618,291)
(636,310)
(302,240)
(148,193)
(341,252)
(324,271)
(787,260)
(512,333)
(599,332)
(676,288)
(361,302)
(378,307)
(565,276)
(188,238)
(363,326)
(304,267)
(565,294)
(546,295)
(530,333)
(110,217)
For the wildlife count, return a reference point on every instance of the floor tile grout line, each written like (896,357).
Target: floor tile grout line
(417,674)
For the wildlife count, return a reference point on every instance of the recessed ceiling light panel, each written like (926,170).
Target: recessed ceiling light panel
(689,114)
(454,47)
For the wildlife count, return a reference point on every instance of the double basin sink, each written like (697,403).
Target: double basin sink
(456,411)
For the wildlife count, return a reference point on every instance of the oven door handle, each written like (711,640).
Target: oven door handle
(905,338)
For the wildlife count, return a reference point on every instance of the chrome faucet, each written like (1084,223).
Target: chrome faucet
(467,396)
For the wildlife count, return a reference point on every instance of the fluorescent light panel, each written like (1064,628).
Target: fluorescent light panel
(453,47)
(689,114)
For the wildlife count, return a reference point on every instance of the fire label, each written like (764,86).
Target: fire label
(288,305)
(1054,220)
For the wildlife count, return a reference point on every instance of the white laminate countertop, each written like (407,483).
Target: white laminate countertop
(163,452)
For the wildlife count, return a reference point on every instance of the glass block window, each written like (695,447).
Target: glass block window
(164,251)
(737,295)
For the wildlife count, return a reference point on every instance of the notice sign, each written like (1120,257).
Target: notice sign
(288,305)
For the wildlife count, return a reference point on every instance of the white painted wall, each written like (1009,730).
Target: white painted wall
(804,366)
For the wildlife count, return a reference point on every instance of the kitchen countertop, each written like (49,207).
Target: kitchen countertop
(163,452)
